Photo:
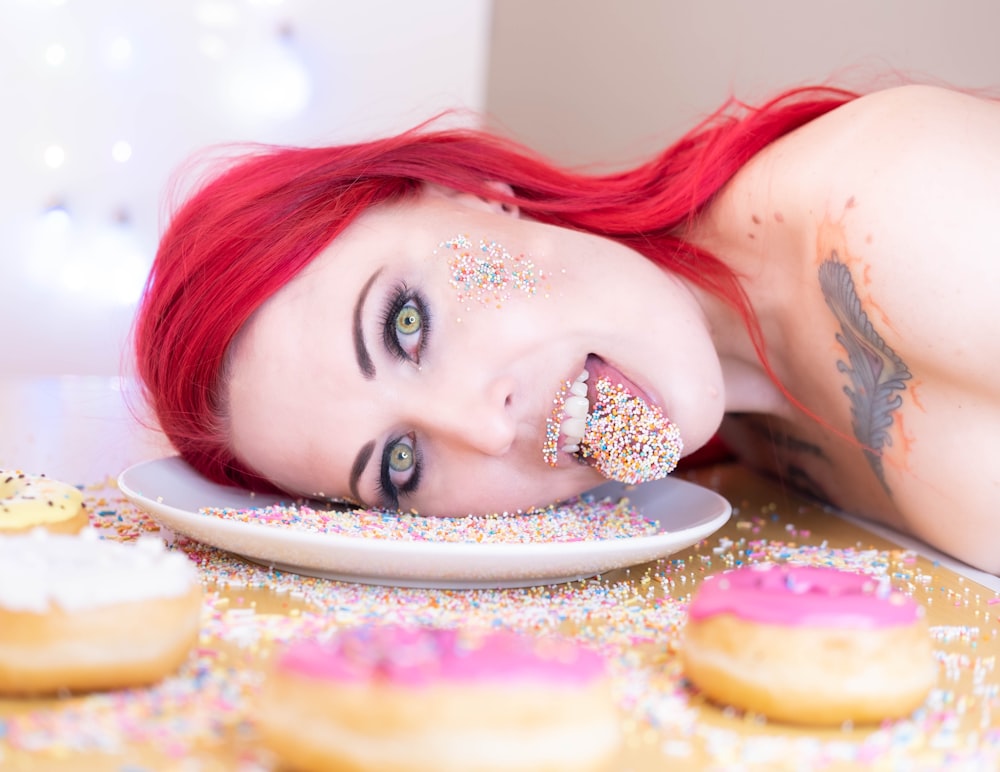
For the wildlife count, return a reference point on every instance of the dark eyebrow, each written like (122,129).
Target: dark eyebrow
(360,349)
(359,466)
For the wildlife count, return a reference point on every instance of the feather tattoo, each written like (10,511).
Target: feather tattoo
(876,372)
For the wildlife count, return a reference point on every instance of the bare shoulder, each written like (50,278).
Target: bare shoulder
(904,150)
(921,105)
(923,147)
(893,202)
(885,127)
(922,164)
(903,187)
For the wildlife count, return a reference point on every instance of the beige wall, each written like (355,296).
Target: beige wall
(609,80)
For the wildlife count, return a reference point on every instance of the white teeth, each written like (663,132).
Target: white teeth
(575,408)
(574,428)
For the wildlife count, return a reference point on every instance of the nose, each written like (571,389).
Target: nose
(478,416)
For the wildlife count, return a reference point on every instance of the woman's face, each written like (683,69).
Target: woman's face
(417,363)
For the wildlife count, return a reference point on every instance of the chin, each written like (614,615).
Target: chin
(567,490)
(537,493)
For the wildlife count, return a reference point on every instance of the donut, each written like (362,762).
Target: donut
(398,699)
(78,613)
(808,645)
(32,501)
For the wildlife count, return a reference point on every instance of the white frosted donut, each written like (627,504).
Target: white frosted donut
(396,699)
(79,613)
(32,501)
(808,645)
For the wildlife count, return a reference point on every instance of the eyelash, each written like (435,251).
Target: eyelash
(387,490)
(399,298)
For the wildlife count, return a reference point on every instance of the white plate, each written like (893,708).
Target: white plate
(173,493)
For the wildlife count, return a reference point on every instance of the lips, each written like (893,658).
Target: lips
(605,419)
(567,424)
(599,369)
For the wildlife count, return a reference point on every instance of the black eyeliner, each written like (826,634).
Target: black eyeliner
(399,297)
(387,490)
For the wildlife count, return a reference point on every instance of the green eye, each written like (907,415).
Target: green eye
(405,325)
(400,457)
(409,320)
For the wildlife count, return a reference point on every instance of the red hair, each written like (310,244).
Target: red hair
(243,235)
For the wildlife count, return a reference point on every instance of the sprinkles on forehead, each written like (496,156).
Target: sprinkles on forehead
(488,273)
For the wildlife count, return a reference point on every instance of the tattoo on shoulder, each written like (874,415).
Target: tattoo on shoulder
(877,373)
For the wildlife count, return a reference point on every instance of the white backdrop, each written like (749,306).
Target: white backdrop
(103,99)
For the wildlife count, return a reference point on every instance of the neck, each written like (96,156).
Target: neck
(749,387)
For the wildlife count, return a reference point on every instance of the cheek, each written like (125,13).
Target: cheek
(483,272)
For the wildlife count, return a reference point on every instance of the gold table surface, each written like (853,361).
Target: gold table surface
(202,718)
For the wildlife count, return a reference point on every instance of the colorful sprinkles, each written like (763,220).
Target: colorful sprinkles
(550,448)
(630,440)
(487,273)
(26,499)
(581,519)
(201,718)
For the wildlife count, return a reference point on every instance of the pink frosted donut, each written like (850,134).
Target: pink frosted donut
(397,699)
(808,645)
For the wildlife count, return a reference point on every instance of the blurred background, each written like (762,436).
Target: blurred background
(104,99)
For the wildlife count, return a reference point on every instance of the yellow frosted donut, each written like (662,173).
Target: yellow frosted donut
(32,501)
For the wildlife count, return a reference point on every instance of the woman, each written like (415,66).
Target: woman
(402,323)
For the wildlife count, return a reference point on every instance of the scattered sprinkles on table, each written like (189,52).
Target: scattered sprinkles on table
(633,619)
(581,519)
